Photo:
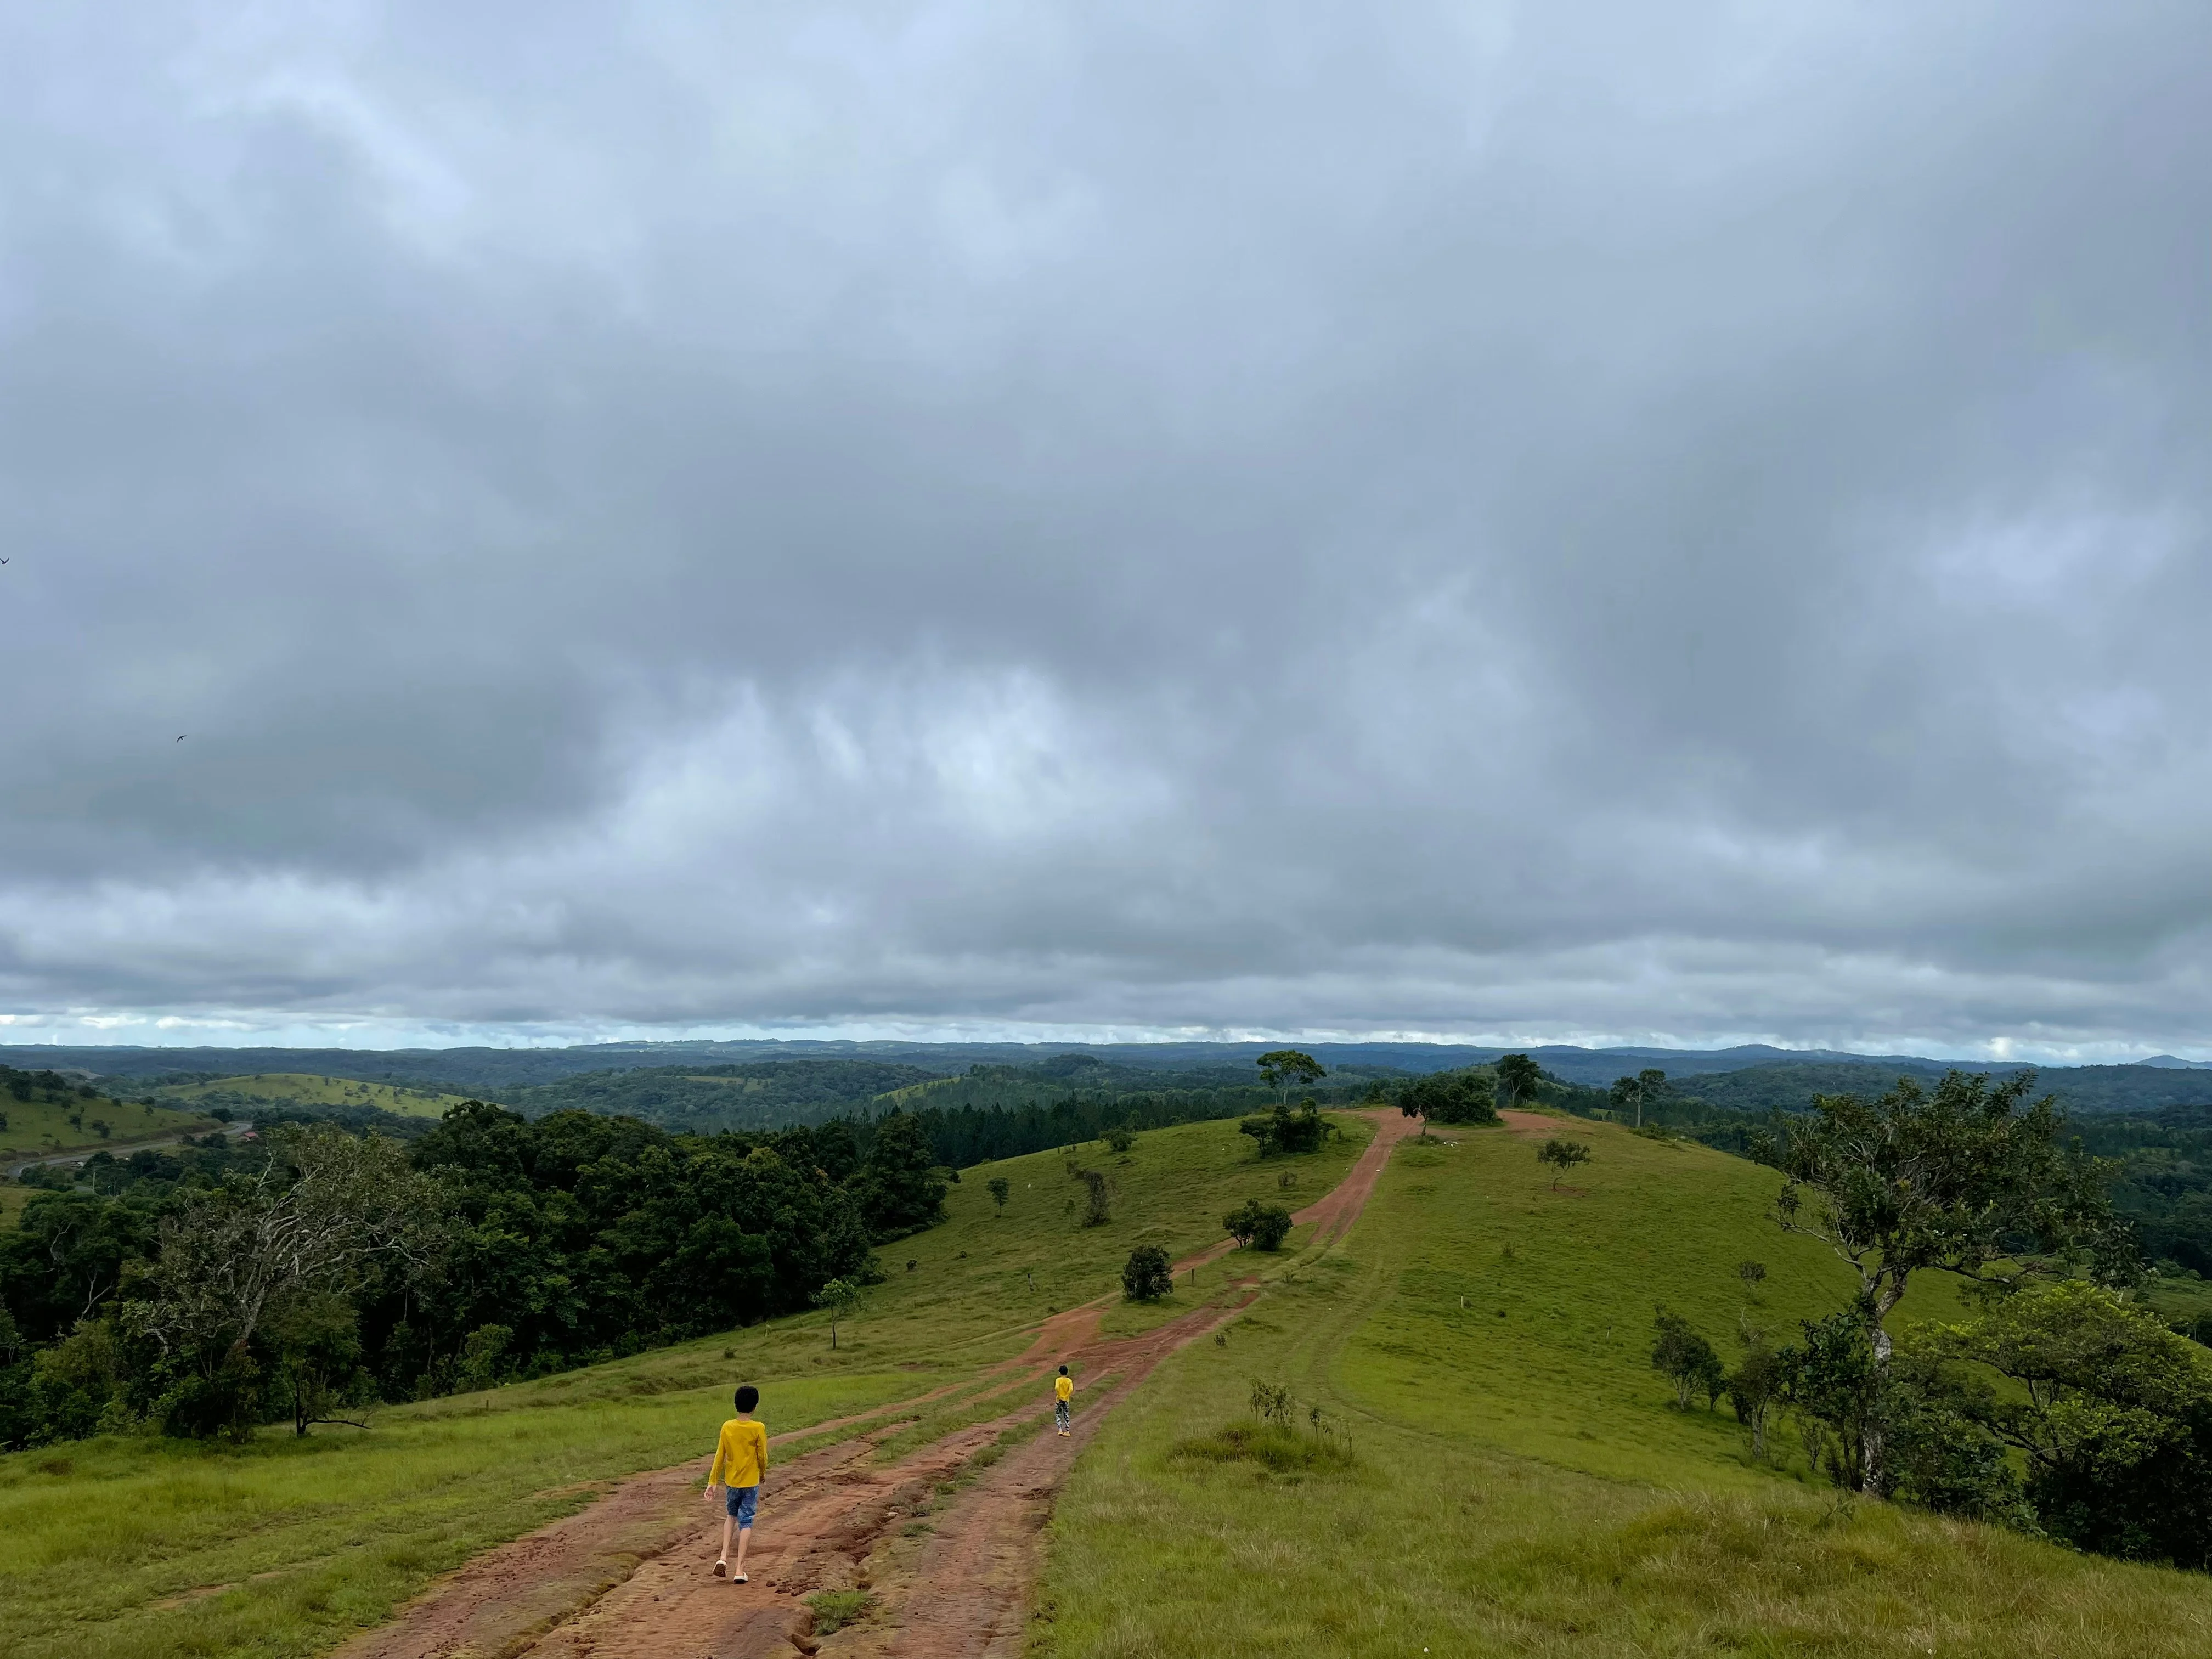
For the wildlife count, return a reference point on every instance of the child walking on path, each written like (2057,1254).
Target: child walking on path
(740,1461)
(1063,1391)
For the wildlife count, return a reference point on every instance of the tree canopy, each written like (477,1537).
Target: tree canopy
(1517,1078)
(1284,1069)
(1960,1180)
(1468,1096)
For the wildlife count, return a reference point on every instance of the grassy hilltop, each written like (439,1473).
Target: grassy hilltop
(1522,1483)
(1517,1482)
(50,1122)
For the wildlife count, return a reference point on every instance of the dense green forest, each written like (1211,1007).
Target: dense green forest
(2165,1185)
(767,1094)
(217,1284)
(2082,1091)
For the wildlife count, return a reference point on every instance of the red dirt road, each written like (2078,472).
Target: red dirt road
(949,1542)
(1531,1126)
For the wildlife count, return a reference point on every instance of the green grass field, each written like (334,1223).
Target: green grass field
(1520,1485)
(37,1127)
(297,1543)
(302,1089)
(1516,1485)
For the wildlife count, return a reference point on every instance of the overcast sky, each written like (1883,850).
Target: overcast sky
(1577,521)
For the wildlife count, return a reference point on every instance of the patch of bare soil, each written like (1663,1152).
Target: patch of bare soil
(947,1538)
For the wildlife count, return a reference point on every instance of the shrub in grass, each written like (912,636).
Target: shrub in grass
(835,1609)
(1098,1199)
(1259,1226)
(1562,1156)
(1148,1275)
(1278,1449)
(1284,1133)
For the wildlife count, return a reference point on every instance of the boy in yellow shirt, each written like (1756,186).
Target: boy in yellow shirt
(740,1461)
(1063,1392)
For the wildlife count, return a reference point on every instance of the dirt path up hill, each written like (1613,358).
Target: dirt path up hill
(947,1538)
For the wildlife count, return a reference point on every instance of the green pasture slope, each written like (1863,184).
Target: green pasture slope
(302,1089)
(136,1547)
(41,1128)
(1519,1484)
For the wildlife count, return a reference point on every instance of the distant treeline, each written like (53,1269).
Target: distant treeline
(965,1135)
(764,1095)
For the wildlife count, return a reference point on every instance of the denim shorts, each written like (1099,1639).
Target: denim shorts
(742,1501)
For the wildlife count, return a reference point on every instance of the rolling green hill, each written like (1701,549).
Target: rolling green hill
(1521,1484)
(44,1117)
(243,1094)
(1515,1479)
(104,1544)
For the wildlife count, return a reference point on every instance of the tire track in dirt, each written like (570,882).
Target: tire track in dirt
(629,1577)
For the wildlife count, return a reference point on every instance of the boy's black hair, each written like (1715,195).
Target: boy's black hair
(1063,1370)
(748,1397)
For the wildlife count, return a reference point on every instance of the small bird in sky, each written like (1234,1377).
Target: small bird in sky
(180,737)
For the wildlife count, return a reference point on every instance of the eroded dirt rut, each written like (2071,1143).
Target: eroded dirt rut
(947,1538)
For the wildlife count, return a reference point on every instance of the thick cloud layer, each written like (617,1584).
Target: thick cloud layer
(1512,520)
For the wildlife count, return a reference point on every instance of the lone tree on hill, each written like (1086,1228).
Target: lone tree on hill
(1562,1156)
(1147,1276)
(1638,1091)
(1282,1069)
(1753,1274)
(1967,1180)
(1754,1388)
(837,1298)
(1517,1078)
(999,1187)
(1686,1359)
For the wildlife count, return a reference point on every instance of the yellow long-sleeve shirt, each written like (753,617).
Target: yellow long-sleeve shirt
(741,1455)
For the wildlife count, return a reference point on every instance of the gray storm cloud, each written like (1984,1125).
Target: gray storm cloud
(1576,520)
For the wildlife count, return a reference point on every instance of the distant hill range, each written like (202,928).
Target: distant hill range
(760,1072)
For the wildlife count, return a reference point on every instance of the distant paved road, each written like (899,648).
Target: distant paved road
(123,1147)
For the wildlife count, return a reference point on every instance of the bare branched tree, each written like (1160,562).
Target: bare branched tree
(327,1210)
